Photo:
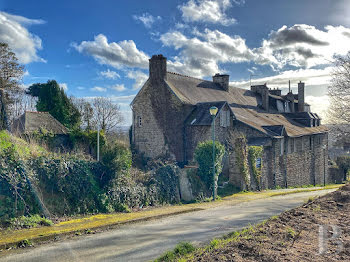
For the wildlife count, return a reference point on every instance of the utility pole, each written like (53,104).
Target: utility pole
(98,141)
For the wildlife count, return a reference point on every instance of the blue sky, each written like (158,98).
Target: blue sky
(101,48)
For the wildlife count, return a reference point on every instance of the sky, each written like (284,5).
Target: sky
(101,48)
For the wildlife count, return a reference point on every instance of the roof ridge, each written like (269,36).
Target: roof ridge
(37,112)
(203,80)
(188,76)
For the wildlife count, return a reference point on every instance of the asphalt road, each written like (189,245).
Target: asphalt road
(146,241)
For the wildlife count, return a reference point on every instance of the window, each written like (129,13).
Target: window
(225,118)
(139,121)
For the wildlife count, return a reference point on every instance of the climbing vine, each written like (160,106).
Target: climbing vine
(241,158)
(255,152)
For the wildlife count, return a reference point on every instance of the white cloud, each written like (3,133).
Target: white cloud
(119,55)
(311,77)
(147,19)
(81,88)
(109,74)
(98,89)
(211,11)
(13,31)
(319,105)
(200,55)
(303,46)
(139,77)
(63,86)
(118,88)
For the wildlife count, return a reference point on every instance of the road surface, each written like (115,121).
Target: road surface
(146,241)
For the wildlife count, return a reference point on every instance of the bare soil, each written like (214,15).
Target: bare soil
(294,235)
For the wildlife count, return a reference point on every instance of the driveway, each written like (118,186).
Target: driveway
(146,241)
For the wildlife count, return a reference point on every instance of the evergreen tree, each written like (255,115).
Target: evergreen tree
(52,99)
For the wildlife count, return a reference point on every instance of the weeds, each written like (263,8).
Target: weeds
(317,208)
(290,233)
(29,222)
(181,249)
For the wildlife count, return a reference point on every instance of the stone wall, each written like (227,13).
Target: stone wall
(147,138)
(161,132)
(305,164)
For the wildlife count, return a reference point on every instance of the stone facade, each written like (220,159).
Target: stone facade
(171,116)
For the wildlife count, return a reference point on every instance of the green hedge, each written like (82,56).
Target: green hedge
(204,157)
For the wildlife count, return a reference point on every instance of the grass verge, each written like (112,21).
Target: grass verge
(12,238)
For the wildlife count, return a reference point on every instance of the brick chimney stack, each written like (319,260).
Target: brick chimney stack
(157,67)
(301,97)
(222,80)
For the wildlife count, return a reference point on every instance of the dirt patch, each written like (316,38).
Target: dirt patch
(293,236)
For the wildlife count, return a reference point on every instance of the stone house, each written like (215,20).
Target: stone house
(31,125)
(171,116)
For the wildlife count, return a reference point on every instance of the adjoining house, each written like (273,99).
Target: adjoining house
(171,116)
(31,122)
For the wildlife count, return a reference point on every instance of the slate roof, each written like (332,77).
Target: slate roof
(244,105)
(31,122)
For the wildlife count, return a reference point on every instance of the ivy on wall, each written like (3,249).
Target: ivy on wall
(254,153)
(241,155)
(70,185)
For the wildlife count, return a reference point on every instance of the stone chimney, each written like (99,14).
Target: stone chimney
(301,97)
(265,99)
(264,92)
(222,80)
(157,67)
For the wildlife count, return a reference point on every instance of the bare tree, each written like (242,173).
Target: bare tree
(10,74)
(20,102)
(339,94)
(86,111)
(106,113)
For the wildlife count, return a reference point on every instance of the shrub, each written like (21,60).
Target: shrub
(86,140)
(343,162)
(204,157)
(116,158)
